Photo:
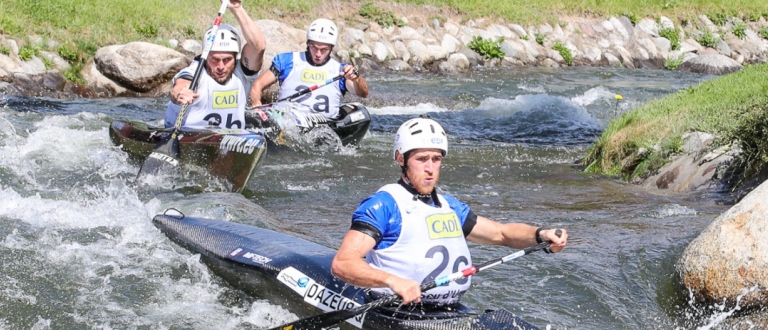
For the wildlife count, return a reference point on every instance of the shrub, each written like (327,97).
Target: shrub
(383,17)
(539,38)
(672,35)
(147,30)
(751,133)
(73,74)
(718,19)
(26,52)
(68,54)
(707,40)
(763,33)
(487,47)
(740,29)
(564,52)
(673,62)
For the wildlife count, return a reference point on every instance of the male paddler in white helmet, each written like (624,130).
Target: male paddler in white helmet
(408,233)
(297,71)
(221,96)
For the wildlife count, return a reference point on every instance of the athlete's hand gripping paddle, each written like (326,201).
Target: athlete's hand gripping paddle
(335,317)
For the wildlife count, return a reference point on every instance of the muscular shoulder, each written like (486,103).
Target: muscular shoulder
(377,210)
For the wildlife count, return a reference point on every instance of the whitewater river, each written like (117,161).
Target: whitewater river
(78,249)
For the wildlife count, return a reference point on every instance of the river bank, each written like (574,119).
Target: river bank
(426,40)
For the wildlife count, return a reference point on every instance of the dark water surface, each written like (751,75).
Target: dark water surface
(78,250)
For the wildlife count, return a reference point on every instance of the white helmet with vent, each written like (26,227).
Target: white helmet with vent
(420,133)
(323,30)
(227,39)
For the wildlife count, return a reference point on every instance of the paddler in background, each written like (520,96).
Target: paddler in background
(407,233)
(221,96)
(297,71)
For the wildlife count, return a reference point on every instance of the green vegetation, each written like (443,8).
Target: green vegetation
(384,17)
(539,38)
(732,107)
(5,50)
(564,52)
(673,62)
(740,29)
(763,33)
(673,37)
(707,40)
(718,19)
(28,51)
(489,48)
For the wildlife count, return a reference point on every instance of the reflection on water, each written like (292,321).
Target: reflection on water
(78,250)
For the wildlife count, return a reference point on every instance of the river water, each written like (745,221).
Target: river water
(78,250)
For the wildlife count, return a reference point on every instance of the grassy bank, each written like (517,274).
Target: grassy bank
(80,27)
(733,107)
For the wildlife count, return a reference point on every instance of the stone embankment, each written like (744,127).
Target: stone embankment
(143,69)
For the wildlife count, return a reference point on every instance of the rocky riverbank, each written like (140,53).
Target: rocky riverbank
(144,69)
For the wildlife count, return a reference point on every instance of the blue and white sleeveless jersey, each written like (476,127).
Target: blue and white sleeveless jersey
(224,104)
(296,74)
(420,242)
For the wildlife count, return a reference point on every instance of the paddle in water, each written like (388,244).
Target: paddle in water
(165,155)
(335,317)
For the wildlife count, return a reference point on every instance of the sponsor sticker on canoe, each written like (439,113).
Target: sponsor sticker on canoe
(318,295)
(241,144)
(248,257)
(356,116)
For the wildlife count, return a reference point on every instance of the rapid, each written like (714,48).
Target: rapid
(78,249)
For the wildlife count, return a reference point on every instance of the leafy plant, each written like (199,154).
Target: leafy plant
(146,30)
(488,48)
(383,17)
(753,16)
(48,63)
(564,52)
(632,17)
(539,38)
(673,36)
(763,33)
(707,40)
(73,74)
(69,54)
(718,19)
(673,62)
(5,50)
(26,52)
(525,37)
(740,29)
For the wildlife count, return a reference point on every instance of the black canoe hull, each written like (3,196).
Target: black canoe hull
(295,274)
(351,128)
(229,154)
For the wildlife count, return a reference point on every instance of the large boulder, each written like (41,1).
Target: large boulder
(711,64)
(728,262)
(139,66)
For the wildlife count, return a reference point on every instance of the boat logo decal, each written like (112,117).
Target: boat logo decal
(356,116)
(241,144)
(318,295)
(235,252)
(257,258)
(165,158)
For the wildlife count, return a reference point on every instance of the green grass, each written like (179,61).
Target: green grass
(718,106)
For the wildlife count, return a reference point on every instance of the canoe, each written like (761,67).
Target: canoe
(230,154)
(295,274)
(272,119)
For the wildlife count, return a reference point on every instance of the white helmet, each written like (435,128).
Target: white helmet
(226,40)
(418,133)
(323,30)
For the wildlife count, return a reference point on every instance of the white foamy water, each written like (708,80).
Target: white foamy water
(407,110)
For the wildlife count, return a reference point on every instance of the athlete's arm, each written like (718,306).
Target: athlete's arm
(515,235)
(350,266)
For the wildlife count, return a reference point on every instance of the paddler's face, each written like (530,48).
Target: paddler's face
(423,168)
(220,66)
(319,51)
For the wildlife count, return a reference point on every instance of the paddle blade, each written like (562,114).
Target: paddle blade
(163,159)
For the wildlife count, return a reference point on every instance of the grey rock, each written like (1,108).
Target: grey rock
(711,64)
